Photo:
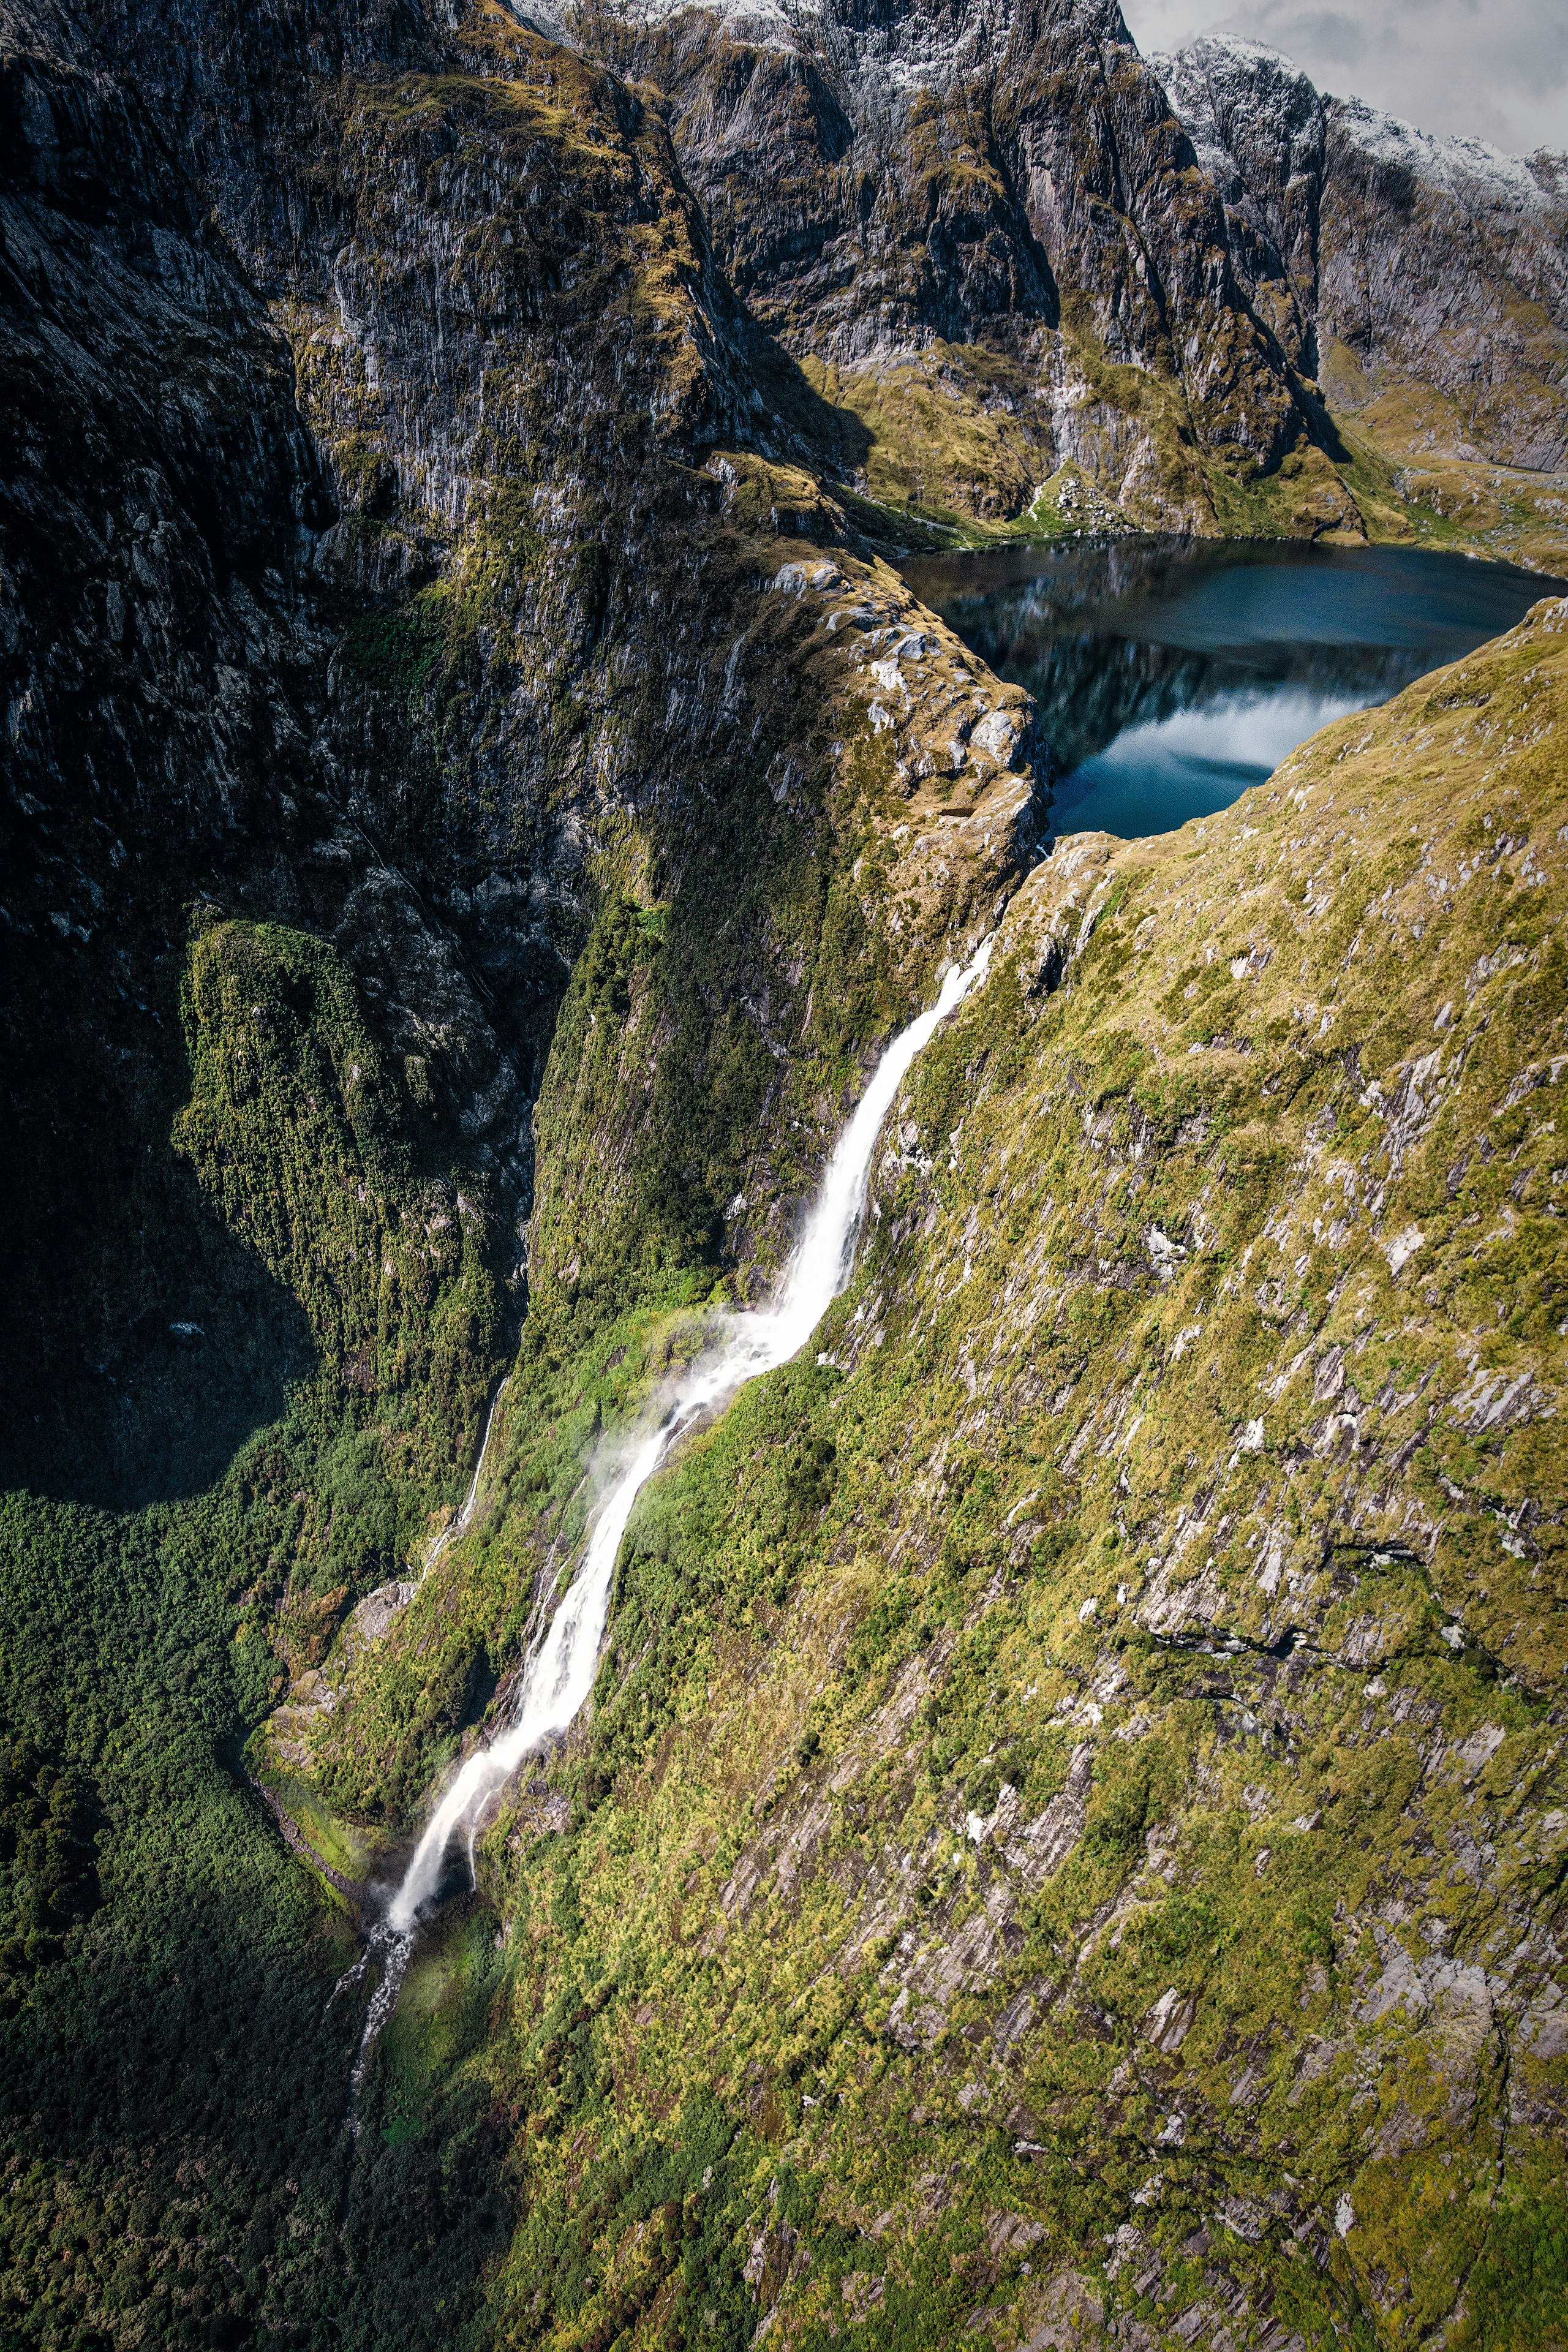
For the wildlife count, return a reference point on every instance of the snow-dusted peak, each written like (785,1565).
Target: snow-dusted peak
(1228,93)
(1225,59)
(925,44)
(771,24)
(919,44)
(1469,170)
(542,20)
(1256,121)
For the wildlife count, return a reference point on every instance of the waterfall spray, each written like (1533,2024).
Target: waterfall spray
(561,1673)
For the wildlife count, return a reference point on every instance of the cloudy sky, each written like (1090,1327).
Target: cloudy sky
(1493,70)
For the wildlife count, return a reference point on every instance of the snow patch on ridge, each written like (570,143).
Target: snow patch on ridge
(925,47)
(1266,90)
(1469,169)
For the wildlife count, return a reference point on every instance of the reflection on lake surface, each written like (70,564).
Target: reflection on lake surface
(1171,674)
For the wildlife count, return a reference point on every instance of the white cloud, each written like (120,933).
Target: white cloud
(1493,70)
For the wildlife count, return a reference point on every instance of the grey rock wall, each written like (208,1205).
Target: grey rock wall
(1434,261)
(364,571)
(879,180)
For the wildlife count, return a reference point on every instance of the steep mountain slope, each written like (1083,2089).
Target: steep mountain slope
(478,800)
(1047,290)
(363,645)
(1423,281)
(981,233)
(1068,1844)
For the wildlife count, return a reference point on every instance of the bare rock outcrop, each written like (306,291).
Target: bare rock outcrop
(1384,254)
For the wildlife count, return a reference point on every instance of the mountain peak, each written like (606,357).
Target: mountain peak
(1218,70)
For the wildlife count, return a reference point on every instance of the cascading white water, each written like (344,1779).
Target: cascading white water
(458,1526)
(393,1948)
(561,1673)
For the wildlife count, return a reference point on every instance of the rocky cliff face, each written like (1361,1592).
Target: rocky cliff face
(166,650)
(478,800)
(1033,273)
(1423,281)
(1390,252)
(408,613)
(986,222)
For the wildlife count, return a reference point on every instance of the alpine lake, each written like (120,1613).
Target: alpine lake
(1171,674)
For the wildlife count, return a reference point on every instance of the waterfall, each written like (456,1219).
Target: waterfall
(561,1673)
(457,1526)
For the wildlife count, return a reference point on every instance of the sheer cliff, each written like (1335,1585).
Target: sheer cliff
(404,652)
(1068,1843)
(982,233)
(1038,276)
(478,799)
(1423,281)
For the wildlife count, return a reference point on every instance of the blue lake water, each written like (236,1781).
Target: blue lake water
(1171,674)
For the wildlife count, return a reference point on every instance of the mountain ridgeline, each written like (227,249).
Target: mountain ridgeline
(1066,1840)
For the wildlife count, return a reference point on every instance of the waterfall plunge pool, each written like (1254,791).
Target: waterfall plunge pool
(1172,673)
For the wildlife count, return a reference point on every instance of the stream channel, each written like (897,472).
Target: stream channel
(1172,673)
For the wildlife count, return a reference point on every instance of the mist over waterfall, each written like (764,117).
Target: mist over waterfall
(561,1673)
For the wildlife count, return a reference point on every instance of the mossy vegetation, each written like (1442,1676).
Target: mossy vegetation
(1414,474)
(959,437)
(167,2003)
(756,2010)
(1070,1816)
(965,450)
(165,1962)
(314,1147)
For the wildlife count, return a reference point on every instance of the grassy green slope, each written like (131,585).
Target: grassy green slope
(1070,1833)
